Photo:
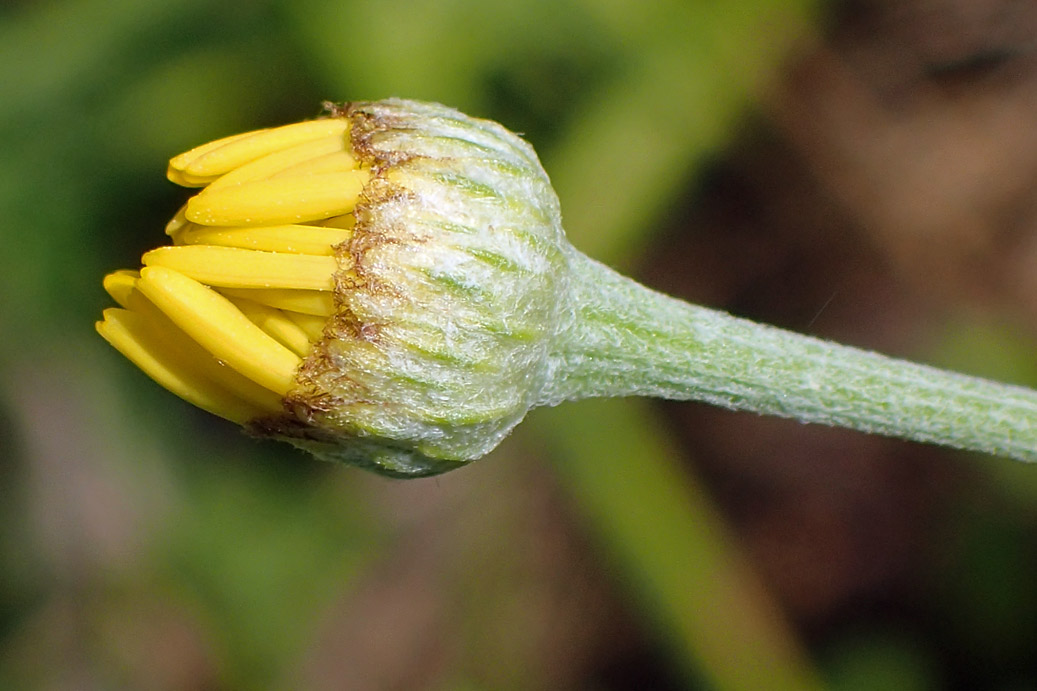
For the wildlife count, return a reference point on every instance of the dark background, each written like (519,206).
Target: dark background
(862,171)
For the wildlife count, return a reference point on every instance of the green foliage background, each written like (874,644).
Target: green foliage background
(145,545)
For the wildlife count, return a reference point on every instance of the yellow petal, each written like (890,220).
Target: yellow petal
(220,327)
(317,303)
(232,267)
(287,159)
(153,353)
(274,322)
(177,223)
(345,222)
(211,162)
(311,325)
(280,200)
(294,239)
(120,284)
(176,173)
(184,180)
(200,359)
(334,162)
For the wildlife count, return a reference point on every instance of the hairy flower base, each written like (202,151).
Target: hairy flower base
(224,316)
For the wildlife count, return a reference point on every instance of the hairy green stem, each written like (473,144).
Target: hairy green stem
(628,340)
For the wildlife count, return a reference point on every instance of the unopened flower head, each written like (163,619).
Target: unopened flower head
(378,286)
(390,286)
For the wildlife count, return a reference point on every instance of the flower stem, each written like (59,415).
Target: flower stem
(628,340)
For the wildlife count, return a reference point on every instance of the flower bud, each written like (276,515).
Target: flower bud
(389,286)
(380,286)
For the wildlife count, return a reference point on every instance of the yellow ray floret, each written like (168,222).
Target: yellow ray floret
(295,199)
(208,162)
(285,159)
(122,286)
(337,162)
(178,222)
(154,353)
(224,316)
(220,327)
(344,222)
(294,239)
(311,302)
(175,172)
(311,325)
(232,267)
(274,322)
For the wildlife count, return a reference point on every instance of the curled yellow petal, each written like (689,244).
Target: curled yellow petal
(277,201)
(176,173)
(177,223)
(313,302)
(179,372)
(335,162)
(287,159)
(233,267)
(276,323)
(120,285)
(345,222)
(311,325)
(220,327)
(294,239)
(213,161)
(199,359)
